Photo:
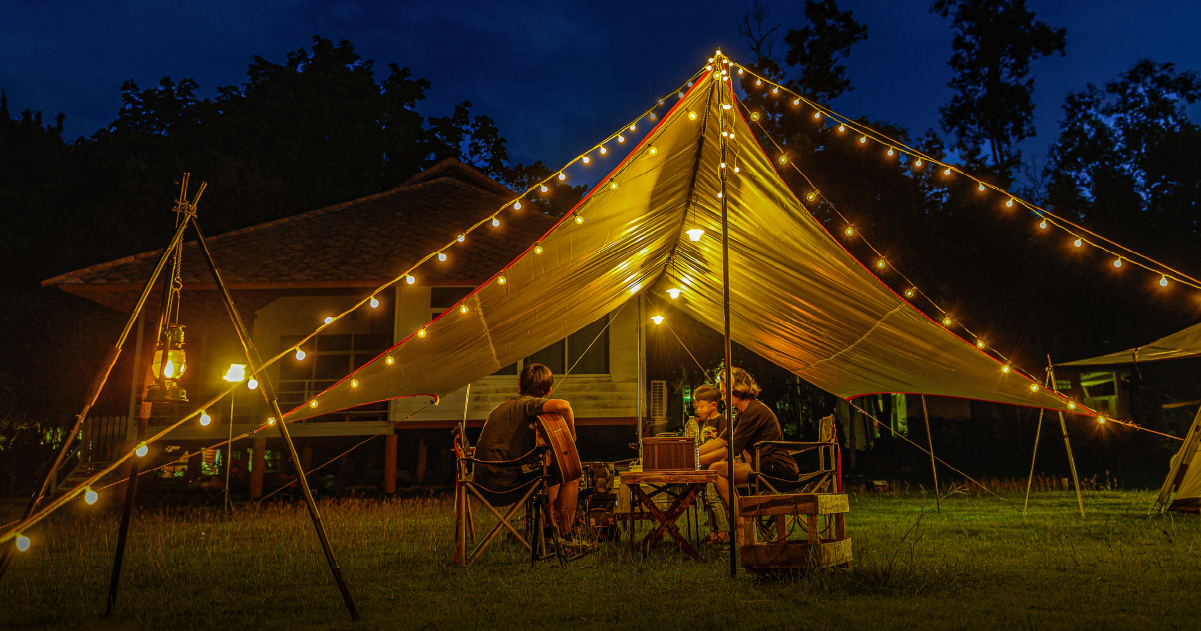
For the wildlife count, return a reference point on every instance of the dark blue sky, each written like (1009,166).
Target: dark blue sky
(555,76)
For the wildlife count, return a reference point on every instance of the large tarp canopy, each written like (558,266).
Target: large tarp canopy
(1179,345)
(797,297)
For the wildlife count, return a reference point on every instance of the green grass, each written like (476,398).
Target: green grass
(977,564)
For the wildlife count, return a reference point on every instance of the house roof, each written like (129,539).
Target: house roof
(360,243)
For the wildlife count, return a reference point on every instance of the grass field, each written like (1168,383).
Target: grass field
(977,564)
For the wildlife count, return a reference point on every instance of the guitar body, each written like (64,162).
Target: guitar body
(564,457)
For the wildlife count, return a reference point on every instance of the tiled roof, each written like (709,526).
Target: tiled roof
(354,244)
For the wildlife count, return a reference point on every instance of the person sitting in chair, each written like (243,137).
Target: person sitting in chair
(754,423)
(509,434)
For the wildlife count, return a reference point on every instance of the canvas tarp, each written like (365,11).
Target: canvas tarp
(1179,345)
(797,297)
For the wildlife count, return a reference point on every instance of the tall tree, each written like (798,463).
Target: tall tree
(995,44)
(817,50)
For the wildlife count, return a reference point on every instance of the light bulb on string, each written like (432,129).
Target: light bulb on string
(313,403)
(909,293)
(758,82)
(660,101)
(329,319)
(299,355)
(374,302)
(410,279)
(621,138)
(537,249)
(354,383)
(1043,224)
(500,280)
(881,264)
(604,150)
(1071,405)
(464,309)
(205,419)
(918,164)
(980,343)
(689,84)
(579,219)
(754,116)
(890,151)
(691,115)
(783,159)
(947,171)
(516,205)
(142,450)
(543,188)
(719,195)
(1117,262)
(461,238)
(862,139)
(725,106)
(850,231)
(653,116)
(815,114)
(421,332)
(653,151)
(736,169)
(725,133)
(271,419)
(775,90)
(946,321)
(586,160)
(1005,369)
(981,187)
(22,542)
(495,222)
(1163,281)
(740,71)
(1101,419)
(1009,203)
(90,496)
(722,165)
(674,293)
(695,234)
(1077,242)
(562,176)
(389,360)
(613,184)
(842,128)
(812,196)
(1034,387)
(252,384)
(680,95)
(442,257)
(633,127)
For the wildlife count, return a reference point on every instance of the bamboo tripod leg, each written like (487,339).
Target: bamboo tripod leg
(1063,426)
(268,390)
(930,443)
(1037,432)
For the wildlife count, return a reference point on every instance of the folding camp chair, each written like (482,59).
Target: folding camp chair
(822,479)
(532,495)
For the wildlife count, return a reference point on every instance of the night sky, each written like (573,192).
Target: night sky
(555,77)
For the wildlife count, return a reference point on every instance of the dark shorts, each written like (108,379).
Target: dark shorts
(781,469)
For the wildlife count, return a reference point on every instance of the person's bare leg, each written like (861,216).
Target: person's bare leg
(565,504)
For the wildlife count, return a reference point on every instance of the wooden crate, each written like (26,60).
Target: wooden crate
(822,518)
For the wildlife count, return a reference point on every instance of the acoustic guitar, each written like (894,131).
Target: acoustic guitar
(565,460)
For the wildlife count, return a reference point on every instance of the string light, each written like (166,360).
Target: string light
(299,355)
(1163,281)
(1034,387)
(22,542)
(604,150)
(947,171)
(329,319)
(910,292)
(674,293)
(653,151)
(544,189)
(918,164)
(1071,405)
(374,302)
(142,450)
(354,383)
(1078,242)
(812,196)
(537,249)
(516,205)
(441,257)
(410,279)
(1117,262)
(421,332)
(754,116)
(815,114)
(758,82)
(313,403)
(613,184)
(253,384)
(850,231)
(981,187)
(736,169)
(695,234)
(271,419)
(464,309)
(946,321)
(90,496)
(621,138)
(890,151)
(775,90)
(579,219)
(501,280)
(722,165)
(633,127)
(658,319)
(980,343)
(880,264)
(1101,419)
(725,106)
(205,419)
(842,128)
(783,159)
(495,222)
(389,360)
(862,139)
(1043,224)
(587,159)
(1009,204)
(691,115)
(719,195)
(1005,369)
(562,176)
(461,238)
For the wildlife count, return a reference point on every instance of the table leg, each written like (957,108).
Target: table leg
(667,521)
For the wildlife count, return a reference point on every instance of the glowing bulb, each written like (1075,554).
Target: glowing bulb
(313,403)
(537,249)
(587,159)
(621,138)
(90,496)
(1071,405)
(946,321)
(374,302)
(725,133)
(516,205)
(658,319)
(389,360)
(604,150)
(722,165)
(890,152)
(252,384)
(1077,243)
(754,116)
(464,309)
(660,101)
(299,355)
(947,171)
(461,238)
(680,94)
(736,169)
(142,450)
(775,90)
(862,139)
(329,319)
(1163,281)
(22,542)
(205,419)
(271,419)
(169,369)
(910,292)
(1043,224)
(1034,387)
(421,332)
(1009,204)
(783,159)
(980,344)
(719,195)
(579,219)
(1005,369)
(236,373)
(1117,262)
(725,106)
(354,383)
(880,264)
(691,115)
(811,196)
(501,280)
(633,127)
(1101,419)
(918,163)
(695,234)
(441,256)
(613,185)
(410,279)
(842,128)
(495,222)
(981,187)
(674,293)
(653,151)
(562,176)
(758,82)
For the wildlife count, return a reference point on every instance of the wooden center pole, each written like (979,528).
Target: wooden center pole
(1063,427)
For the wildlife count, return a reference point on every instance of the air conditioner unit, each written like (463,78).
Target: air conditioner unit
(658,401)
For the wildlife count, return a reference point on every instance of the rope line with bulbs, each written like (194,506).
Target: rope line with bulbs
(1081,234)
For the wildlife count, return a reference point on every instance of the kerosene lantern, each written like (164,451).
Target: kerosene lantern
(170,362)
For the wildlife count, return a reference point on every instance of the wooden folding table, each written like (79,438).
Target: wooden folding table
(694,482)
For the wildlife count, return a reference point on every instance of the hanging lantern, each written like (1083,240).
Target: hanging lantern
(170,361)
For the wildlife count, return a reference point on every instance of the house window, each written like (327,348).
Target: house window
(575,351)
(329,358)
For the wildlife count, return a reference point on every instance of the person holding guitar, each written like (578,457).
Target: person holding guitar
(510,433)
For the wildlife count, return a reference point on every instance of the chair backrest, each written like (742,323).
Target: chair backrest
(825,429)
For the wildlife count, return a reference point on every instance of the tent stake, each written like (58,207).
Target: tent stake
(268,390)
(1063,426)
(930,442)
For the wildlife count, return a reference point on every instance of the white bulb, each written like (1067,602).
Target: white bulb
(660,101)
(516,205)
(775,90)
(410,279)
(758,82)
(389,360)
(621,138)
(205,419)
(254,383)
(719,194)
(313,403)
(579,219)
(442,256)
(890,151)
(90,496)
(544,189)
(354,383)
(587,159)
(725,106)
(735,169)
(918,164)
(842,128)
(862,139)
(495,222)
(613,185)
(674,293)
(537,250)
(142,450)
(981,187)
(723,165)
(1077,243)
(22,542)
(1163,281)
(740,71)
(421,332)
(562,176)
(1009,203)
(1043,224)
(815,114)
(658,319)
(731,135)
(500,280)
(633,127)
(1117,262)
(299,354)
(681,94)
(374,302)
(604,151)
(461,238)
(695,234)
(947,171)
(271,419)
(329,319)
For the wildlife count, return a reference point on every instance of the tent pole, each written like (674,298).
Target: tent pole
(727,381)
(1030,479)
(1180,465)
(641,385)
(1063,426)
(94,389)
(930,443)
(268,390)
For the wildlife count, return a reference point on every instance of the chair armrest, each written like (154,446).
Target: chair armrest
(793,445)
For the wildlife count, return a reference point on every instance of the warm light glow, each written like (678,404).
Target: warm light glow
(354,383)
(501,280)
(674,293)
(604,150)
(1101,419)
(842,128)
(613,185)
(981,187)
(653,151)
(1005,369)
(725,106)
(725,133)
(329,319)
(495,222)
(441,256)
(621,138)
(918,163)
(691,115)
(516,205)
(236,373)
(205,419)
(389,360)
(980,344)
(695,234)
(862,139)
(754,116)
(579,219)
(1034,387)
(299,355)
(464,309)
(1043,224)
(22,542)
(775,90)
(947,171)
(410,279)
(722,165)
(142,450)
(421,332)
(90,496)
(1071,405)
(461,238)
(313,403)
(890,151)
(374,302)
(783,159)
(537,249)
(736,169)
(633,126)
(812,196)
(1163,281)
(758,82)
(1077,243)
(562,176)
(880,264)
(252,384)
(946,321)
(1009,204)
(658,319)
(271,420)
(587,159)
(740,71)
(910,292)
(815,114)
(1117,262)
